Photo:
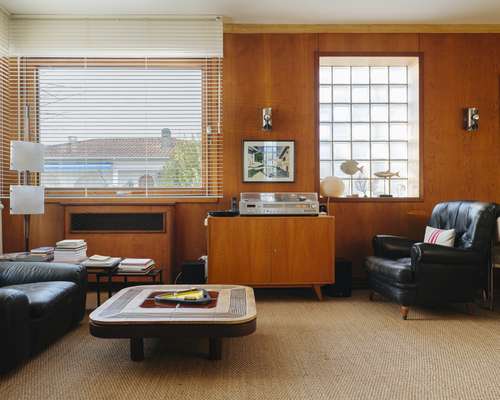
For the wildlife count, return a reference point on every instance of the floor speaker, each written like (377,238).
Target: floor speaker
(343,279)
(192,272)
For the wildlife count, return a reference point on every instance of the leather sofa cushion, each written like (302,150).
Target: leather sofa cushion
(399,270)
(44,296)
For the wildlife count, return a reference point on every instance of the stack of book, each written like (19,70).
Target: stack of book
(72,251)
(136,266)
(101,263)
(41,254)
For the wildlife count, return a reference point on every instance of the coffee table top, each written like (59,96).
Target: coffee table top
(234,305)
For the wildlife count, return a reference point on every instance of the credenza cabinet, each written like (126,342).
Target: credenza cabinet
(271,251)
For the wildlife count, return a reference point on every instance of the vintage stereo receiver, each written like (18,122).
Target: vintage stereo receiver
(279,203)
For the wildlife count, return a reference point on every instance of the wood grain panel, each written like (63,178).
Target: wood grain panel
(158,246)
(277,70)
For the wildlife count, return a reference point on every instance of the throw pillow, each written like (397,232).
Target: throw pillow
(443,237)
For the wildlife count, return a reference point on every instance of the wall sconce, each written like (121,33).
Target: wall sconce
(471,119)
(267,119)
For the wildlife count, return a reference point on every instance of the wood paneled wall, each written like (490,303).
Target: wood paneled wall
(277,70)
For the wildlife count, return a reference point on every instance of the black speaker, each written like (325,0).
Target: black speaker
(343,279)
(192,272)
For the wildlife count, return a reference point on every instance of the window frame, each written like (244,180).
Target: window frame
(204,193)
(420,57)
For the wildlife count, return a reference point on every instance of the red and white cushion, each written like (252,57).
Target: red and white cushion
(443,237)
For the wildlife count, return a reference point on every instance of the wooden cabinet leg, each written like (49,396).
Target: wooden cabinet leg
(137,349)
(215,348)
(404,312)
(318,292)
(371,296)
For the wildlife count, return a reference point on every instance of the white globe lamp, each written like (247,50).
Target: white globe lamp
(331,186)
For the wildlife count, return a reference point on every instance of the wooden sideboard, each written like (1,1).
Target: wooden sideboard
(271,251)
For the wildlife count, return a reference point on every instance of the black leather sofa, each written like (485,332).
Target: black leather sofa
(39,302)
(410,272)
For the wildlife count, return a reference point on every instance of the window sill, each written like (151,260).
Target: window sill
(137,201)
(373,200)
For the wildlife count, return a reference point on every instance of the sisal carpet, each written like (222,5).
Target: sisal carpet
(303,349)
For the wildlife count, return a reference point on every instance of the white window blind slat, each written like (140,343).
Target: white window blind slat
(116,37)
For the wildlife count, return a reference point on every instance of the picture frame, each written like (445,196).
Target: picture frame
(269,161)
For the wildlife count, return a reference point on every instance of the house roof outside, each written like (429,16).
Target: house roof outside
(108,148)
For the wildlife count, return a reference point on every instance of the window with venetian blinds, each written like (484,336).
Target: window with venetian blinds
(124,107)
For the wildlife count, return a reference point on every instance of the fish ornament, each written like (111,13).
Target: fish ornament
(386,174)
(351,167)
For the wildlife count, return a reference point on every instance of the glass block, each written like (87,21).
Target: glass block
(341,151)
(348,188)
(398,75)
(341,75)
(399,150)
(379,94)
(325,75)
(398,94)
(401,167)
(398,112)
(399,131)
(399,187)
(360,132)
(337,171)
(379,112)
(325,151)
(325,112)
(379,187)
(380,151)
(341,113)
(360,94)
(361,187)
(325,169)
(379,75)
(379,166)
(360,150)
(360,113)
(341,94)
(341,131)
(325,94)
(325,132)
(360,75)
(380,131)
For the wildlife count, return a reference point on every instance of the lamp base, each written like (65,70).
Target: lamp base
(26,233)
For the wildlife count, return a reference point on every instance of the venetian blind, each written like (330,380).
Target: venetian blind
(124,107)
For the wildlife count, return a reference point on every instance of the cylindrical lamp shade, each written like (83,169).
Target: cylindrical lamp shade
(27,199)
(26,156)
(331,186)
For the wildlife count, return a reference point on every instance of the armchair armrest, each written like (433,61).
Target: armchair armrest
(14,332)
(426,253)
(393,247)
(19,272)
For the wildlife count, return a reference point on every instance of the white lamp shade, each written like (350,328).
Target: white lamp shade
(331,186)
(27,199)
(26,156)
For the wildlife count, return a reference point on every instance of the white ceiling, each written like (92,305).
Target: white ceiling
(281,11)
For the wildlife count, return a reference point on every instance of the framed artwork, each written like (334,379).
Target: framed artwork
(268,161)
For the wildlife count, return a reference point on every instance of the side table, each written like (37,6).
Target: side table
(156,276)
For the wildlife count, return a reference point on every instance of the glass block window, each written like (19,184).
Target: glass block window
(368,124)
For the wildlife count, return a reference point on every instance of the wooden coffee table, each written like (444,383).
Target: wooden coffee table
(132,313)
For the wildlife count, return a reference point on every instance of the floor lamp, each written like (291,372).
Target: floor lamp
(26,199)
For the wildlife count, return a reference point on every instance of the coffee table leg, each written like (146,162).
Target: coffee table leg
(215,348)
(137,349)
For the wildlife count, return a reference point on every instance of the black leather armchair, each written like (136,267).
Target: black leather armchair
(410,272)
(38,303)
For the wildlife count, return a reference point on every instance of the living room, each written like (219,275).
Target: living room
(237,199)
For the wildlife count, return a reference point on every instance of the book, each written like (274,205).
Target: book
(137,261)
(135,271)
(97,257)
(42,250)
(95,264)
(71,244)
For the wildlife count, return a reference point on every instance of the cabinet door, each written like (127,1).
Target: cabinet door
(239,251)
(302,250)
